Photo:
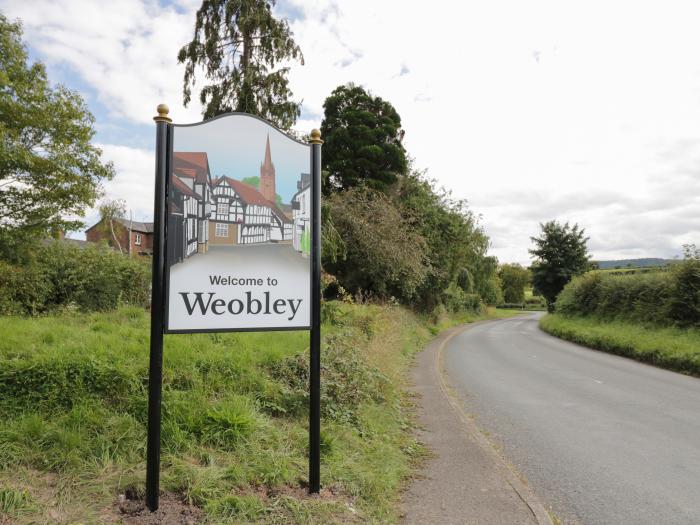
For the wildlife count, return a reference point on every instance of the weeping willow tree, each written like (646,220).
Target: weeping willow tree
(243,52)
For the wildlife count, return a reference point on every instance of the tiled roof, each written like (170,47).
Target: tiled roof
(193,160)
(278,211)
(248,193)
(184,172)
(145,227)
(183,188)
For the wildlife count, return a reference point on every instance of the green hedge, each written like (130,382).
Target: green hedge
(662,298)
(92,278)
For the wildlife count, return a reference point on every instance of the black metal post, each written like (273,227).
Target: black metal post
(155,371)
(315,342)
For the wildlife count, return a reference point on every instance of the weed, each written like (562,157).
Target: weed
(14,502)
(234,415)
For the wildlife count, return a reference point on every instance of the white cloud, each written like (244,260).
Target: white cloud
(580,111)
(133,182)
(534,111)
(125,50)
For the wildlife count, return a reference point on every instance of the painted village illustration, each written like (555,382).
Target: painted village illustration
(222,211)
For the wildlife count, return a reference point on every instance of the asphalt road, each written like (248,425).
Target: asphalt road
(600,438)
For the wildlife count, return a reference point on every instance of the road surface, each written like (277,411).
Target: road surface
(600,438)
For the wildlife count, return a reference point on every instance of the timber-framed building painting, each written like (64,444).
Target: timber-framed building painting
(238,203)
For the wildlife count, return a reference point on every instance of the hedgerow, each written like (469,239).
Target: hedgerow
(58,275)
(663,298)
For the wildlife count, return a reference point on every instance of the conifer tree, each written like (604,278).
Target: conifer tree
(240,45)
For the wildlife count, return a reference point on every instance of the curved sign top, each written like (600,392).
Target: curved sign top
(238,230)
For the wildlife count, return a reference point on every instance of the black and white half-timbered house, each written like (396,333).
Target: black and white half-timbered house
(241,215)
(183,217)
(301,214)
(223,211)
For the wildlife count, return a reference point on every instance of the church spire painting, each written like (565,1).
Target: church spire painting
(267,175)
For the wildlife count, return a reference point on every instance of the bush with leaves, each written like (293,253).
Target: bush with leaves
(514,278)
(457,300)
(59,275)
(640,297)
(664,297)
(456,244)
(347,380)
(383,254)
(684,307)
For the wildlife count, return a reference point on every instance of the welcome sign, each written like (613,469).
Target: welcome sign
(238,230)
(237,247)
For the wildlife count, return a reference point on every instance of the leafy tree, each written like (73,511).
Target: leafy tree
(456,243)
(49,171)
(514,278)
(239,43)
(561,253)
(362,141)
(381,254)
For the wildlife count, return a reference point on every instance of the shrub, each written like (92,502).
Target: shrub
(383,255)
(58,275)
(24,290)
(456,300)
(347,380)
(684,307)
(659,298)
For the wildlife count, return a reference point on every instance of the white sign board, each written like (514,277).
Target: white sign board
(238,233)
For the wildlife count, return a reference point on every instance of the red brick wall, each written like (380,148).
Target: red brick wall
(96,234)
(146,243)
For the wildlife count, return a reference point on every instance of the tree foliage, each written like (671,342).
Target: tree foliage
(381,254)
(49,170)
(561,254)
(514,278)
(60,275)
(362,141)
(240,44)
(456,243)
(684,307)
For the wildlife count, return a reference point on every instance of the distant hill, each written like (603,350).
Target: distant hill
(633,263)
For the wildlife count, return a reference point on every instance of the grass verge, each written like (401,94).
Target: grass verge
(672,348)
(73,408)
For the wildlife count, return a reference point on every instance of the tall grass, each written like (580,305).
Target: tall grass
(73,403)
(668,347)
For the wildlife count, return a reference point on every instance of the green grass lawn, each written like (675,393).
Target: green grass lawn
(73,393)
(673,348)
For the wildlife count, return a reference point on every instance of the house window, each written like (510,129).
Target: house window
(222,208)
(137,242)
(221,230)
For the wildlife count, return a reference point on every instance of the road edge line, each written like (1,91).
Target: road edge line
(524,492)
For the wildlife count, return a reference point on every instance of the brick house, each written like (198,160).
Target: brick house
(135,238)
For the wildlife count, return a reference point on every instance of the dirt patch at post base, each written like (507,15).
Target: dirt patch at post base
(171,511)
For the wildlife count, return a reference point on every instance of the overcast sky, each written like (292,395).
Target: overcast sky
(585,111)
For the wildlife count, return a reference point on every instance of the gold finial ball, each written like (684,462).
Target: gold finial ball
(163,111)
(316,137)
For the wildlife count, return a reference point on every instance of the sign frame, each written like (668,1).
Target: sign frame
(160,294)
